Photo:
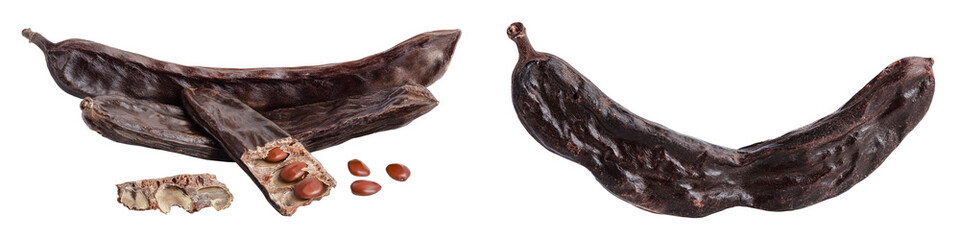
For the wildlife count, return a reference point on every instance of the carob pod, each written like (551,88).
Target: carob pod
(84,69)
(663,171)
(262,149)
(191,192)
(316,126)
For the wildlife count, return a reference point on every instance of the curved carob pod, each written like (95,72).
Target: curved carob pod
(662,171)
(84,69)
(316,126)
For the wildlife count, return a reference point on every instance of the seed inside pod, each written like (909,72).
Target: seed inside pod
(308,188)
(293,172)
(398,172)
(364,187)
(276,155)
(357,168)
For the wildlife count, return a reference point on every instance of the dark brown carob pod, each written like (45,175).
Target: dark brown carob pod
(88,69)
(316,126)
(663,171)
(262,149)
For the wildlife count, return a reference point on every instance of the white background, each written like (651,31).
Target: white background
(730,72)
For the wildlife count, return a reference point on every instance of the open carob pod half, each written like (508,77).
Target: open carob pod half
(316,126)
(663,171)
(281,167)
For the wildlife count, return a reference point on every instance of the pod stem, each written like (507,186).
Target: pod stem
(518,34)
(37,39)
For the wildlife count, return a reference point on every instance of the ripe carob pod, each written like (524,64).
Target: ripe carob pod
(263,149)
(663,171)
(316,126)
(84,69)
(191,192)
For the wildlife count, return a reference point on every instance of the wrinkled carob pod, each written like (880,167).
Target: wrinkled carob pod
(316,126)
(663,171)
(88,69)
(263,149)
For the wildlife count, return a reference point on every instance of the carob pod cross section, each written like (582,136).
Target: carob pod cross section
(191,192)
(316,126)
(84,69)
(262,149)
(662,171)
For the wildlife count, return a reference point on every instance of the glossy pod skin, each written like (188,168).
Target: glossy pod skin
(261,148)
(316,126)
(84,69)
(662,171)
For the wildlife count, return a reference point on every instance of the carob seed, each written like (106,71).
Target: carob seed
(276,155)
(308,188)
(357,168)
(364,187)
(398,172)
(293,171)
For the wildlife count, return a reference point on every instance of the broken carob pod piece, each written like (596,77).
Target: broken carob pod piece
(84,69)
(191,192)
(663,171)
(316,126)
(262,149)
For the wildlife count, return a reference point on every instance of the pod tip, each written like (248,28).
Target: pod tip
(516,30)
(27,33)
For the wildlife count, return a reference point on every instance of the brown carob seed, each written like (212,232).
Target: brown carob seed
(293,172)
(364,187)
(662,171)
(275,155)
(88,69)
(357,168)
(309,188)
(398,172)
(247,137)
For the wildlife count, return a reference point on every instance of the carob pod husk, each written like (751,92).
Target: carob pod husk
(316,126)
(84,69)
(663,171)
(191,192)
(261,148)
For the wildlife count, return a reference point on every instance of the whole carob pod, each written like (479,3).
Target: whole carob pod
(282,168)
(662,171)
(84,68)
